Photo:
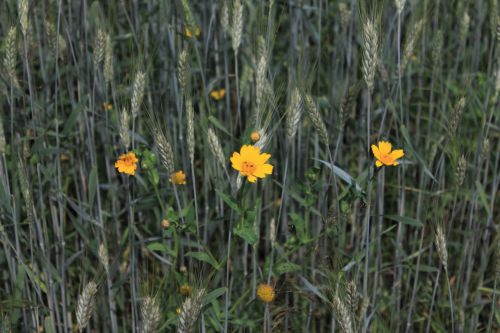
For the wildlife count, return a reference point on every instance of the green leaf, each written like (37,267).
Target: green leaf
(227,199)
(428,269)
(483,197)
(214,295)
(287,267)
(342,175)
(247,232)
(160,248)
(218,124)
(405,220)
(71,121)
(205,257)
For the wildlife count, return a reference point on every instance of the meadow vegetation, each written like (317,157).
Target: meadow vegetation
(249,166)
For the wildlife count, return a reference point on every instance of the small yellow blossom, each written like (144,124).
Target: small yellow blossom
(127,163)
(218,94)
(190,33)
(165,224)
(265,293)
(178,178)
(251,163)
(185,289)
(385,155)
(178,311)
(255,136)
(107,106)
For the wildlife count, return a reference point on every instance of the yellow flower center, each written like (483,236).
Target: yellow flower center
(248,168)
(386,159)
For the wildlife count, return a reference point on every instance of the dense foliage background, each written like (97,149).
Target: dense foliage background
(346,246)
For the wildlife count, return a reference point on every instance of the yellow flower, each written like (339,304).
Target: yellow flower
(185,289)
(385,155)
(178,311)
(178,178)
(218,94)
(251,163)
(127,163)
(190,33)
(255,136)
(165,224)
(107,106)
(266,293)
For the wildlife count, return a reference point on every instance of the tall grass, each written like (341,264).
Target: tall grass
(345,245)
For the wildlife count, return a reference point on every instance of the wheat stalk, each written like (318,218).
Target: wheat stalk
(410,45)
(440,243)
(3,142)
(260,80)
(108,60)
(316,118)
(150,312)
(460,171)
(190,310)
(165,150)
(224,20)
(99,47)
(182,73)
(293,114)
(26,190)
(103,257)
(456,115)
(400,5)
(86,304)
(369,51)
(138,92)
(346,104)
(124,127)
(23,8)
(342,315)
(216,148)
(10,58)
(188,15)
(352,297)
(190,127)
(237,26)
(464,27)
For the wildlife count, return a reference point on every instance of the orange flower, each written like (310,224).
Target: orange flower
(127,163)
(385,155)
(190,33)
(251,163)
(218,94)
(255,136)
(266,293)
(178,178)
(185,289)
(107,106)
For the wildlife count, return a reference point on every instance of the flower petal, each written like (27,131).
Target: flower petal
(378,163)
(376,152)
(251,178)
(261,159)
(263,170)
(236,161)
(398,153)
(384,147)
